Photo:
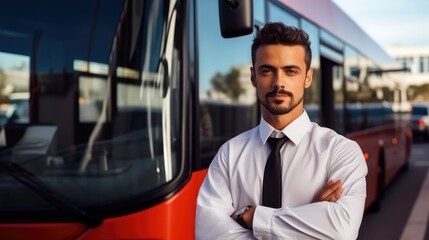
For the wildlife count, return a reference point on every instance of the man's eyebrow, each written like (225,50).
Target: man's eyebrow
(265,66)
(292,67)
(284,67)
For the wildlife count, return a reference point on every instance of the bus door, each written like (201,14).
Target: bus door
(332,94)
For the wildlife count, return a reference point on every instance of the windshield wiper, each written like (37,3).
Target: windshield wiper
(34,184)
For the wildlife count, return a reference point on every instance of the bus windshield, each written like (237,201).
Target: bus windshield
(88,102)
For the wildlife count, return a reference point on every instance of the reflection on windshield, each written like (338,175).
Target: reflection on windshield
(225,90)
(14,87)
(94,121)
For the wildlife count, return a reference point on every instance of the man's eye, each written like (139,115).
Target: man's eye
(291,72)
(266,71)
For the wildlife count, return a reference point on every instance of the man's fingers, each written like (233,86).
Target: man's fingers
(331,192)
(331,188)
(336,194)
(338,191)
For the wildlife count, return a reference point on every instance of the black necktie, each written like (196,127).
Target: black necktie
(272,186)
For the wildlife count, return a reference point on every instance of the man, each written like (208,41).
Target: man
(322,183)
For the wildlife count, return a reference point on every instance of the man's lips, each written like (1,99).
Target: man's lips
(278,96)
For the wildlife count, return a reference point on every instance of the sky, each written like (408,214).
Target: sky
(391,22)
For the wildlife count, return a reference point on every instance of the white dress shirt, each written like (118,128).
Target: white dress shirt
(310,158)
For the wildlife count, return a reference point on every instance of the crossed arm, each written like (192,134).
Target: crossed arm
(331,214)
(331,192)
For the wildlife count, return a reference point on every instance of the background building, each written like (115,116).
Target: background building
(415,82)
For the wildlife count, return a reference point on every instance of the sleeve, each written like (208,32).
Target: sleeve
(215,205)
(322,220)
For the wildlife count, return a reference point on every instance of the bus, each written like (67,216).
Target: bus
(127,103)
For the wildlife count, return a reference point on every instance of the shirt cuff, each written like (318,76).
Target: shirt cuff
(262,221)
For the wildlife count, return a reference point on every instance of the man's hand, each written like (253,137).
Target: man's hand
(248,217)
(331,192)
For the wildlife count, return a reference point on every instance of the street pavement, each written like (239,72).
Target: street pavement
(405,205)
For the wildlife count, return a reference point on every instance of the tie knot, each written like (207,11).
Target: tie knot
(276,143)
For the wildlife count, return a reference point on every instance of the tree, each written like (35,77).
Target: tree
(228,84)
(419,92)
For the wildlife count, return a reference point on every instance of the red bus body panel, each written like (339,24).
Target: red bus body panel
(171,219)
(375,143)
(57,231)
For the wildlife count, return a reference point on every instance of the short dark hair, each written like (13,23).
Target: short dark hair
(279,33)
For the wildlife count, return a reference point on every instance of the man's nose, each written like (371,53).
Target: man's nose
(279,80)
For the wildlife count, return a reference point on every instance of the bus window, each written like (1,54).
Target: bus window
(259,10)
(312,95)
(277,13)
(369,97)
(227,99)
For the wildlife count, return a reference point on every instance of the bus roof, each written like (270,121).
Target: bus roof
(331,18)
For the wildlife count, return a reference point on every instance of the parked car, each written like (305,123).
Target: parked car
(420,120)
(15,110)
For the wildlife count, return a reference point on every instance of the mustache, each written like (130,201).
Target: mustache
(279,92)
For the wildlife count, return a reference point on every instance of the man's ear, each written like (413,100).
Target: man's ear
(252,76)
(308,78)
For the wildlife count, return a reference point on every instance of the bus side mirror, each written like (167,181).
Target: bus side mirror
(236,17)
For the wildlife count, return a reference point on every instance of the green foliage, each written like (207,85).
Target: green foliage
(228,84)
(418,92)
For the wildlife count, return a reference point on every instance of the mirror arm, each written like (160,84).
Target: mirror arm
(233,4)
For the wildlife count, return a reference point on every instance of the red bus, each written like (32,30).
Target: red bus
(123,105)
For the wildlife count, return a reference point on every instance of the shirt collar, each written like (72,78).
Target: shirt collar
(295,131)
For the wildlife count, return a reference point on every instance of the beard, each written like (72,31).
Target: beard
(274,106)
